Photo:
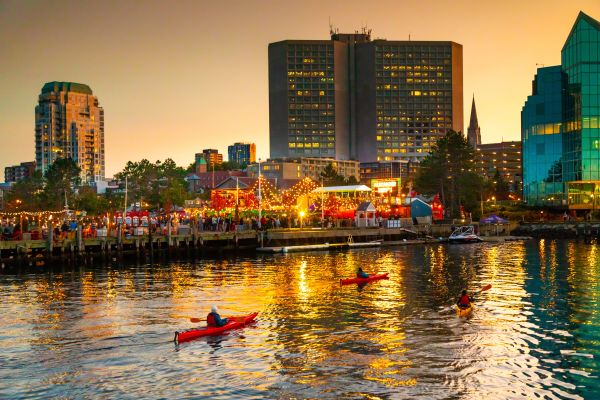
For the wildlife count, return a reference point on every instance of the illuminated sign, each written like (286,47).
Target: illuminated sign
(385,185)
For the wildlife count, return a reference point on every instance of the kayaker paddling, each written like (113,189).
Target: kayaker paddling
(214,319)
(464,300)
(361,274)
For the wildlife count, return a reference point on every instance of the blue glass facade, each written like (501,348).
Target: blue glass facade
(542,137)
(560,125)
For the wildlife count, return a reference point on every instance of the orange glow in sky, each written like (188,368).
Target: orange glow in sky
(178,77)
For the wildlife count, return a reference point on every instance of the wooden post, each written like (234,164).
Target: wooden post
(169,232)
(50,239)
(80,246)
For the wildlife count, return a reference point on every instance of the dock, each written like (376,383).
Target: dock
(77,248)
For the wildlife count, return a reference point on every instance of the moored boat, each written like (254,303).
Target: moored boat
(464,234)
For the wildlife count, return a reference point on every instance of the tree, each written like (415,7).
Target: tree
(352,180)
(89,201)
(501,188)
(62,177)
(331,177)
(154,183)
(26,194)
(229,166)
(449,171)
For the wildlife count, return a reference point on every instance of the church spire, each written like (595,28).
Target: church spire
(473,132)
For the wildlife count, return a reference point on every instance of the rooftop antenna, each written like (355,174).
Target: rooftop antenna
(330,26)
(409,37)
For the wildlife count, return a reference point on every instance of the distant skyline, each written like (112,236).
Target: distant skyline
(178,77)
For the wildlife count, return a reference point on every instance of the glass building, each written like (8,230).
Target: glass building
(242,153)
(542,139)
(560,127)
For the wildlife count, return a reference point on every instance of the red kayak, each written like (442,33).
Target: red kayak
(348,281)
(234,323)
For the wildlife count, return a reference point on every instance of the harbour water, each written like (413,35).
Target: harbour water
(107,331)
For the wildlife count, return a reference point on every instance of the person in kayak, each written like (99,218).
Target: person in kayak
(361,274)
(464,301)
(214,319)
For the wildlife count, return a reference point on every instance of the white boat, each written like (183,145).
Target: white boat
(464,234)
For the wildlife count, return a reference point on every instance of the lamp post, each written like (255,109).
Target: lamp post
(237,200)
(322,206)
(301,213)
(259,197)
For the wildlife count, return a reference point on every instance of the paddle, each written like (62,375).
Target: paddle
(483,289)
(195,320)
(486,287)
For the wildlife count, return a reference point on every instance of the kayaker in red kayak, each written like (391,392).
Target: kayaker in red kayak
(214,319)
(361,274)
(464,301)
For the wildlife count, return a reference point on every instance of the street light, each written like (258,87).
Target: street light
(301,213)
(322,206)
(259,197)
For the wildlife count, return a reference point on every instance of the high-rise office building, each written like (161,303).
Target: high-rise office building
(19,172)
(356,98)
(242,153)
(473,131)
(69,123)
(560,125)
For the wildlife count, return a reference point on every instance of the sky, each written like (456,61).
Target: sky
(176,77)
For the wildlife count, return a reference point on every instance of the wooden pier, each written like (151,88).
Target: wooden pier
(78,248)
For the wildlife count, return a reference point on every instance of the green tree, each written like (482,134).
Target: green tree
(158,184)
(228,166)
(352,180)
(500,186)
(449,171)
(62,177)
(88,200)
(27,194)
(331,177)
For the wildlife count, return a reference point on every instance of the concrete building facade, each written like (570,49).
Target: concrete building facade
(19,172)
(353,98)
(298,168)
(504,157)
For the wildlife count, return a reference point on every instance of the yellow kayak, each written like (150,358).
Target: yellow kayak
(464,312)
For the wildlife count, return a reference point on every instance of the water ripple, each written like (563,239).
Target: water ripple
(107,332)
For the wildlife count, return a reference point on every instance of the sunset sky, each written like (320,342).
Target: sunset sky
(175,77)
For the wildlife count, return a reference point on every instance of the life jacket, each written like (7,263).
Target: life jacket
(210,320)
(464,300)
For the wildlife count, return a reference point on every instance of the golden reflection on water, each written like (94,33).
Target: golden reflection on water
(387,337)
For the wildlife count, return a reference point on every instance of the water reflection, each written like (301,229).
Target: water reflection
(95,332)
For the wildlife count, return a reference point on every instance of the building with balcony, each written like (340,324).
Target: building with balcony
(69,123)
(19,172)
(504,157)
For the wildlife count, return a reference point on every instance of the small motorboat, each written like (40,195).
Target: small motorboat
(464,234)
